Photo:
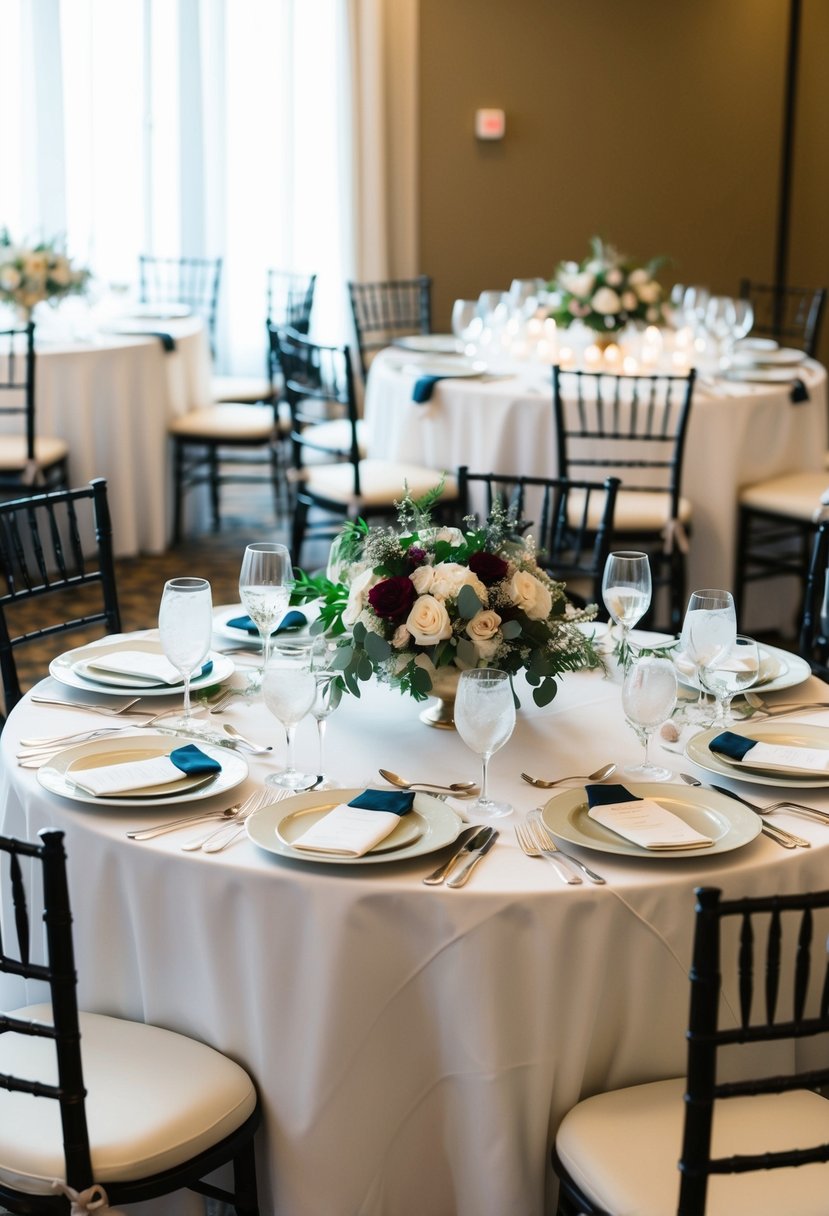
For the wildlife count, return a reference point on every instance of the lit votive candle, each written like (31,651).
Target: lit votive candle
(612,355)
(550,329)
(535,328)
(565,356)
(630,366)
(592,356)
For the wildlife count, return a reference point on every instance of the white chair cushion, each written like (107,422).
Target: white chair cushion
(48,451)
(622,1148)
(154,1099)
(252,423)
(636,510)
(240,388)
(381,481)
(335,436)
(797,495)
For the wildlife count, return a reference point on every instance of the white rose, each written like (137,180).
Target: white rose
(649,292)
(423,577)
(606,301)
(578,284)
(358,596)
(60,273)
(640,275)
(453,536)
(614,277)
(483,625)
(400,638)
(529,594)
(630,300)
(428,622)
(9,278)
(449,577)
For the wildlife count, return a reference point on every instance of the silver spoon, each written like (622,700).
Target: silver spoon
(257,748)
(457,787)
(599,775)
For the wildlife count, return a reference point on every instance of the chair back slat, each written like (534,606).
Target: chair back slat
(746,970)
(17,385)
(21,913)
(813,640)
(191,281)
(773,966)
(383,311)
(792,315)
(802,964)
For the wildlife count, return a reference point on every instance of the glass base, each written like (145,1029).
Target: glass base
(292,779)
(196,728)
(649,772)
(488,809)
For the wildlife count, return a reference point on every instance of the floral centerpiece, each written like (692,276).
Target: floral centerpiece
(416,602)
(606,291)
(29,274)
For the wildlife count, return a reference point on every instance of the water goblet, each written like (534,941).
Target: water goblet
(730,673)
(743,319)
(708,632)
(289,689)
(265,583)
(185,627)
(463,313)
(626,591)
(648,697)
(485,719)
(327,698)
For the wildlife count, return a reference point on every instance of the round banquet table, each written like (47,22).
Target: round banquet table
(415,1047)
(738,434)
(111,398)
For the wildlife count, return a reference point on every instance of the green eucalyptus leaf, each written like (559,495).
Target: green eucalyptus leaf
(545,693)
(511,629)
(359,632)
(376,648)
(467,653)
(468,602)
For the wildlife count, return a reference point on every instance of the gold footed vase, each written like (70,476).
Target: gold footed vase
(440,712)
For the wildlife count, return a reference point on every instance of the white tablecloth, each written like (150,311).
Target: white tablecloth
(506,424)
(111,399)
(415,1047)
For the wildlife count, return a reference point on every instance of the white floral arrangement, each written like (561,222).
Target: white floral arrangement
(606,291)
(419,600)
(29,274)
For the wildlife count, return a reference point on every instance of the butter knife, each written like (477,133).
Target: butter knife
(469,839)
(477,853)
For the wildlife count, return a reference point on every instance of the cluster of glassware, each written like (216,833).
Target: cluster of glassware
(708,326)
(710,655)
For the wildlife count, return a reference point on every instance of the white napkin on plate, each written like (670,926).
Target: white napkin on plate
(133,775)
(777,755)
(137,664)
(349,830)
(648,824)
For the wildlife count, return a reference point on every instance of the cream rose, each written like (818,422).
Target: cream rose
(400,638)
(483,630)
(449,577)
(530,595)
(606,301)
(423,577)
(580,284)
(9,278)
(358,596)
(649,292)
(428,622)
(640,275)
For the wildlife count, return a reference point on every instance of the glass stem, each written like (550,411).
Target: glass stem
(321,725)
(266,652)
(290,731)
(484,762)
(186,711)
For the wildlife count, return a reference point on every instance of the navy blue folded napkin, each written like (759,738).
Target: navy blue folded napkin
(604,795)
(399,802)
(291,620)
(424,386)
(194,762)
(799,391)
(166,340)
(206,668)
(731,745)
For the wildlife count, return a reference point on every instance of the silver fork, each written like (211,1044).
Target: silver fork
(532,849)
(111,711)
(547,845)
(225,834)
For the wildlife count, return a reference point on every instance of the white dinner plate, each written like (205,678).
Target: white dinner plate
(778,669)
(729,824)
(781,356)
(56,776)
(431,344)
(757,344)
(222,615)
(273,827)
(762,375)
(792,734)
(65,670)
(159,312)
(448,366)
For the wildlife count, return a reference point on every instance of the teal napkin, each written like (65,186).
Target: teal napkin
(604,795)
(399,802)
(291,620)
(731,745)
(424,386)
(193,762)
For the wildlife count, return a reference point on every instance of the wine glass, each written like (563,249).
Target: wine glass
(720,321)
(626,591)
(463,313)
(743,319)
(289,689)
(709,631)
(648,697)
(185,627)
(485,719)
(731,673)
(327,698)
(265,583)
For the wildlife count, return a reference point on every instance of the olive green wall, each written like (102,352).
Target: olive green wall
(655,125)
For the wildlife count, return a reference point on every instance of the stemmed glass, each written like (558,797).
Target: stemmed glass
(709,631)
(730,673)
(289,688)
(648,697)
(485,719)
(265,583)
(327,698)
(185,627)
(626,591)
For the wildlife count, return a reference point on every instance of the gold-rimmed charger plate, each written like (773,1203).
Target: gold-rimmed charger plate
(70,669)
(729,824)
(274,827)
(56,776)
(790,734)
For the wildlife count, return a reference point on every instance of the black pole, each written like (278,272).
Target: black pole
(781,261)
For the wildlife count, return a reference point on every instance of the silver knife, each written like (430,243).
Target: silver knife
(468,840)
(781,835)
(460,879)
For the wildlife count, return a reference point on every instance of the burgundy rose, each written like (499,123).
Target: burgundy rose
(488,566)
(393,598)
(416,556)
